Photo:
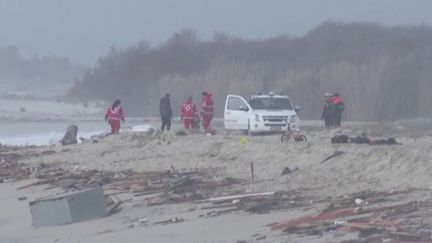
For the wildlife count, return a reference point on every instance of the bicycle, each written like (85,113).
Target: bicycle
(292,133)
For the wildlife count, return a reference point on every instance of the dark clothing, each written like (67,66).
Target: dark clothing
(326,115)
(340,139)
(165,112)
(338,107)
(332,112)
(166,122)
(363,139)
(165,107)
(338,118)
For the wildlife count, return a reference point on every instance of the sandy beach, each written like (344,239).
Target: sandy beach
(359,168)
(288,121)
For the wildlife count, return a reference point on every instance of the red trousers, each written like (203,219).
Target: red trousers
(188,123)
(115,126)
(206,120)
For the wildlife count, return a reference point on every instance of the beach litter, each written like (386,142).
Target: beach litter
(69,207)
(287,171)
(375,222)
(70,136)
(335,154)
(374,216)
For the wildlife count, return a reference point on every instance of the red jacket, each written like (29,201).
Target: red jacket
(114,113)
(189,110)
(338,103)
(207,107)
(336,100)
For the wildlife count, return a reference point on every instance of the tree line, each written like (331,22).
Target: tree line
(47,75)
(383,73)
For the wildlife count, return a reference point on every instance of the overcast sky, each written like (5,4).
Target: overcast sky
(85,29)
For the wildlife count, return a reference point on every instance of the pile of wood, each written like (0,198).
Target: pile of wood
(376,218)
(373,216)
(10,168)
(171,186)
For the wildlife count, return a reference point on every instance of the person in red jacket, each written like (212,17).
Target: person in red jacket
(114,115)
(189,113)
(207,110)
(337,108)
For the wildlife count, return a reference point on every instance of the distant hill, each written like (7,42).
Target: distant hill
(36,75)
(382,73)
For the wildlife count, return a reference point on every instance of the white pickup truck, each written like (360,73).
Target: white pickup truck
(263,113)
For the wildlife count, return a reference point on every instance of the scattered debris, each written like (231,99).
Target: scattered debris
(262,237)
(67,208)
(71,135)
(181,133)
(116,204)
(252,172)
(376,216)
(340,139)
(287,171)
(88,140)
(170,221)
(359,202)
(335,154)
(384,141)
(143,221)
(374,223)
(229,198)
(105,232)
(243,140)
(363,139)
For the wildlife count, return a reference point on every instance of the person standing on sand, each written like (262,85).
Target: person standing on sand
(338,108)
(207,109)
(326,114)
(165,112)
(189,113)
(114,115)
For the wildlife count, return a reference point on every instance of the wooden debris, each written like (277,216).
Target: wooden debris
(70,136)
(113,209)
(170,221)
(335,214)
(335,154)
(36,184)
(252,172)
(402,236)
(380,215)
(219,206)
(233,197)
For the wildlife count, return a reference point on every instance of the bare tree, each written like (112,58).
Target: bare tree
(383,73)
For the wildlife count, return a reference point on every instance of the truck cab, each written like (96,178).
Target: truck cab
(262,113)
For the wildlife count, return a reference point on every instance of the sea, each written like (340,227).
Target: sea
(48,133)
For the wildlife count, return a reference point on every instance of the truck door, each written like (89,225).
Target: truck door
(237,112)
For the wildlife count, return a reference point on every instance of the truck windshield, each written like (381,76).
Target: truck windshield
(270,104)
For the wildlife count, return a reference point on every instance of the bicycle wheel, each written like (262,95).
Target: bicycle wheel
(285,138)
(301,138)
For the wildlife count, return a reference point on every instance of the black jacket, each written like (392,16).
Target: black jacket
(165,107)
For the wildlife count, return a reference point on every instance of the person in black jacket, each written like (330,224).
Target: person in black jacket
(327,111)
(165,112)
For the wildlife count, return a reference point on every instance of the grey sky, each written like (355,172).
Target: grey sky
(85,29)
